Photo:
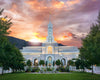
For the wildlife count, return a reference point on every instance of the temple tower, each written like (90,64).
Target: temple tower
(50,37)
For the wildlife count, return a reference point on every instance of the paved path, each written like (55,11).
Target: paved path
(49,73)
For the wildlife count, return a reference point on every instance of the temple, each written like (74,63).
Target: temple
(50,51)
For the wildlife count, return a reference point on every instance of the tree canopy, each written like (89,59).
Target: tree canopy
(58,62)
(10,56)
(29,63)
(41,62)
(90,51)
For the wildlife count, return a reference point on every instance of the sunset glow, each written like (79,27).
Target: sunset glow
(35,40)
(71,19)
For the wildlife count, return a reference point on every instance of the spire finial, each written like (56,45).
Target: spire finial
(49,16)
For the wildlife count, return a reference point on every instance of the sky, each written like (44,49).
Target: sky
(71,19)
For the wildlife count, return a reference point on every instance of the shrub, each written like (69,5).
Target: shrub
(28,69)
(49,69)
(67,69)
(35,69)
(62,69)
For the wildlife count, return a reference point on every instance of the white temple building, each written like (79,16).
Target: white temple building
(50,51)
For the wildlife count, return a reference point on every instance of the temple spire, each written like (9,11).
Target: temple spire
(50,37)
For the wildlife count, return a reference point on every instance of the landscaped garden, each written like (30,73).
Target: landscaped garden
(67,76)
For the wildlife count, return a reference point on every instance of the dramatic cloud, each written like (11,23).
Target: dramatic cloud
(71,19)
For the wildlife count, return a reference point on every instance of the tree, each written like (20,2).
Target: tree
(71,62)
(58,62)
(29,63)
(41,62)
(46,63)
(53,63)
(4,26)
(84,63)
(1,11)
(91,45)
(10,56)
(77,63)
(81,64)
(17,60)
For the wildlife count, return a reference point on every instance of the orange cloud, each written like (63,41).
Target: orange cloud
(58,4)
(33,4)
(36,5)
(68,34)
(72,2)
(31,17)
(64,37)
(45,4)
(37,37)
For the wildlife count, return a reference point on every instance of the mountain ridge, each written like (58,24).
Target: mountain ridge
(20,43)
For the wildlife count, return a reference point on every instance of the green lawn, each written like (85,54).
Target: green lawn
(67,76)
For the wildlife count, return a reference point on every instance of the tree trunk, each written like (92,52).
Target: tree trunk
(2,71)
(83,69)
(13,70)
(92,70)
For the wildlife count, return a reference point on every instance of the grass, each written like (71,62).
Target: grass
(67,76)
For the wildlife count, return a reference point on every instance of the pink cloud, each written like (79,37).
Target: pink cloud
(31,16)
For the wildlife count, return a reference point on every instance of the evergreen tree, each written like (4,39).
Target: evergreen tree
(46,63)
(29,63)
(58,62)
(41,62)
(53,63)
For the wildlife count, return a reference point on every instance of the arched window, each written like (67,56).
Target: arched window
(63,61)
(49,61)
(35,62)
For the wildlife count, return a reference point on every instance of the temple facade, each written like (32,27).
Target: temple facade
(50,51)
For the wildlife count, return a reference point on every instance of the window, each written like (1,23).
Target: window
(50,49)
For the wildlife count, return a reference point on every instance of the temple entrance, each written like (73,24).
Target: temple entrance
(35,62)
(63,61)
(49,61)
